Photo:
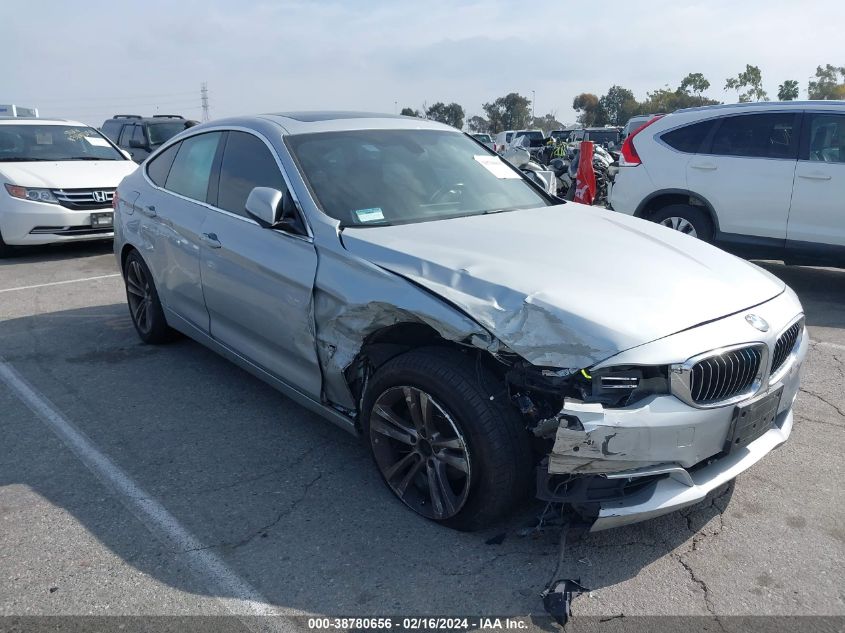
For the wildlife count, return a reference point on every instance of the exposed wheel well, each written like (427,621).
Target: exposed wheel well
(392,340)
(661,200)
(124,253)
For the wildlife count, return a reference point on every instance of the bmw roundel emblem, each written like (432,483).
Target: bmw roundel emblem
(757,322)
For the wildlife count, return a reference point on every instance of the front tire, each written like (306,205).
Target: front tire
(144,305)
(686,219)
(444,438)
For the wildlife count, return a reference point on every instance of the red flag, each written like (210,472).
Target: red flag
(585,179)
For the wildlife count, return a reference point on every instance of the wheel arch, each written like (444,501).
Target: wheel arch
(664,197)
(390,341)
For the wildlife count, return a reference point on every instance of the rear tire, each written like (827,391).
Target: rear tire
(686,219)
(144,306)
(445,439)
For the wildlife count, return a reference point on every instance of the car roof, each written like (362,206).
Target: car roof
(764,105)
(145,119)
(330,121)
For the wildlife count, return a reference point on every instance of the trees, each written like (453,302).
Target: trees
(617,106)
(410,112)
(752,80)
(547,122)
(478,124)
(827,84)
(694,84)
(452,114)
(788,90)
(586,105)
(511,112)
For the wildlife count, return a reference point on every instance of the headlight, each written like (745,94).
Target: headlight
(34,195)
(624,385)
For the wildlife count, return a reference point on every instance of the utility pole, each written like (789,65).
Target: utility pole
(533,99)
(204,99)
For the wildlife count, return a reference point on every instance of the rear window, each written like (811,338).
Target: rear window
(757,136)
(689,138)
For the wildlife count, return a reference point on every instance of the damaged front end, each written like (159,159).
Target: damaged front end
(571,413)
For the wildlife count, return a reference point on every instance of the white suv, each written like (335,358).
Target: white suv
(57,181)
(763,180)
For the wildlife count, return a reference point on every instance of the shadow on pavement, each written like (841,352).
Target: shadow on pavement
(56,252)
(292,503)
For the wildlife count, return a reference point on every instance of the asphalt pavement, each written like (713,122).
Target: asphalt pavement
(163,480)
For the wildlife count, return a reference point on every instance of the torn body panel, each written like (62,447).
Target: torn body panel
(347,313)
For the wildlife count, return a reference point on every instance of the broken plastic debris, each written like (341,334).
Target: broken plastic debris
(557,598)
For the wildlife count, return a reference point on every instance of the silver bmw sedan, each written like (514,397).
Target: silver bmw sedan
(488,341)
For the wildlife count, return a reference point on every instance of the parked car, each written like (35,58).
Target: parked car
(140,136)
(502,140)
(484,138)
(58,181)
(763,180)
(383,273)
(636,122)
(535,138)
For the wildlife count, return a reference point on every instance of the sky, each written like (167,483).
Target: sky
(90,59)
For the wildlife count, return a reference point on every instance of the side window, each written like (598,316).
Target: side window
(247,163)
(125,135)
(690,138)
(138,135)
(191,168)
(159,167)
(757,135)
(111,129)
(825,138)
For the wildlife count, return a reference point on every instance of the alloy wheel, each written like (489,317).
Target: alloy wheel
(420,451)
(140,296)
(680,224)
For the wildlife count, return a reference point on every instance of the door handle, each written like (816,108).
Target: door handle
(149,211)
(815,175)
(211,240)
(704,166)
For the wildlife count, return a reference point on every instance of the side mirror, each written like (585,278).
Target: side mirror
(272,209)
(263,205)
(136,144)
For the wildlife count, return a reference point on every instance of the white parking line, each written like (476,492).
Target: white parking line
(59,283)
(236,594)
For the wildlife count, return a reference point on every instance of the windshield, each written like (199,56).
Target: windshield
(484,138)
(379,177)
(602,136)
(29,143)
(160,132)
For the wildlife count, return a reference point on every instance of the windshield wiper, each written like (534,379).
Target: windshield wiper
(502,210)
(87,158)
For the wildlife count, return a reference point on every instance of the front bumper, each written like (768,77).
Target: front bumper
(52,223)
(668,454)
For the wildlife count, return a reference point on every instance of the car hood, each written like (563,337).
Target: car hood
(68,174)
(569,285)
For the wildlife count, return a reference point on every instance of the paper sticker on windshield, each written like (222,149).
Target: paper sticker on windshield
(496,166)
(96,140)
(369,215)
(43,138)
